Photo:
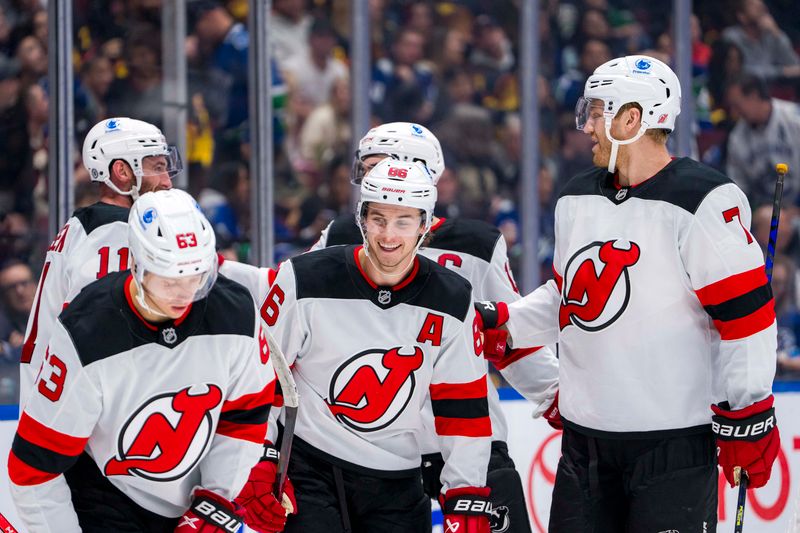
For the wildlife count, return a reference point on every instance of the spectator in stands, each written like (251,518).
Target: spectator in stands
(219,200)
(788,243)
(32,60)
(140,94)
(492,55)
(766,133)
(17,290)
(569,86)
(784,274)
(767,50)
(96,76)
(289,29)
(403,87)
(326,132)
(222,47)
(314,71)
(726,65)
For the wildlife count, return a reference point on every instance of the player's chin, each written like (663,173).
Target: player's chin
(176,311)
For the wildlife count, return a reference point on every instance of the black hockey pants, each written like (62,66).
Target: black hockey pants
(328,497)
(635,485)
(508,498)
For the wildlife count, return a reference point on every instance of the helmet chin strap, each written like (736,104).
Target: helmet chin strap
(140,299)
(615,144)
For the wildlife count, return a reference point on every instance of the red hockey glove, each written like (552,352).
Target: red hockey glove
(747,438)
(210,513)
(492,315)
(263,512)
(466,510)
(553,415)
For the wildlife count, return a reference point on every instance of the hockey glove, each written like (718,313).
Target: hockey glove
(210,513)
(747,438)
(553,415)
(492,315)
(466,510)
(263,512)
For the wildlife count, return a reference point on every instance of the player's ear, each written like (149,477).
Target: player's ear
(121,172)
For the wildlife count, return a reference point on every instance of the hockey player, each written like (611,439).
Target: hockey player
(126,157)
(371,330)
(153,399)
(477,251)
(661,308)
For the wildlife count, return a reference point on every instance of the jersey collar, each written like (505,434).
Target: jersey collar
(169,333)
(385,296)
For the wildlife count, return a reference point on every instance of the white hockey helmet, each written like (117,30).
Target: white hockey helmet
(641,79)
(130,140)
(401,183)
(170,237)
(402,141)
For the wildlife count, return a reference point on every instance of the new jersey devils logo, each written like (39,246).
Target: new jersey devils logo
(596,284)
(166,437)
(371,389)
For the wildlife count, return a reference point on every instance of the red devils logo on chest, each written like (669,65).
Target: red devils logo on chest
(166,436)
(596,287)
(371,389)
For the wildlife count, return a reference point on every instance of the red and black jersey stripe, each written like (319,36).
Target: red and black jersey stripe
(740,305)
(39,453)
(461,409)
(246,418)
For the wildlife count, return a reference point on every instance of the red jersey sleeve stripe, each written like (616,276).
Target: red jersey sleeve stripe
(731,330)
(459,391)
(251,401)
(37,433)
(249,432)
(515,356)
(463,427)
(21,473)
(732,287)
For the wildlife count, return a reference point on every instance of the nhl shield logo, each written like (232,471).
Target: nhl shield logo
(384,297)
(169,335)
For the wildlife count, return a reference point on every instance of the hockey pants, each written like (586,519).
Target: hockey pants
(635,485)
(510,512)
(329,499)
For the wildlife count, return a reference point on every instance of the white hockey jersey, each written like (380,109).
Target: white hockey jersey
(661,306)
(160,408)
(365,359)
(92,243)
(477,251)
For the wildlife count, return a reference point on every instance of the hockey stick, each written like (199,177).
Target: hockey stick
(5,525)
(781,169)
(738,474)
(291,400)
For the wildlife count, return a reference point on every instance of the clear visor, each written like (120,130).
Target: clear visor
(169,163)
(362,166)
(174,294)
(377,224)
(587,109)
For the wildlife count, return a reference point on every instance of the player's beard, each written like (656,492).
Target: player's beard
(602,154)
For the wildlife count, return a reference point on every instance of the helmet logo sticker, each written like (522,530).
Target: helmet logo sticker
(384,297)
(417,130)
(148,217)
(642,66)
(112,124)
(169,335)
(663,118)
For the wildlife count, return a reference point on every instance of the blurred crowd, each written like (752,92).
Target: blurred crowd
(452,66)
